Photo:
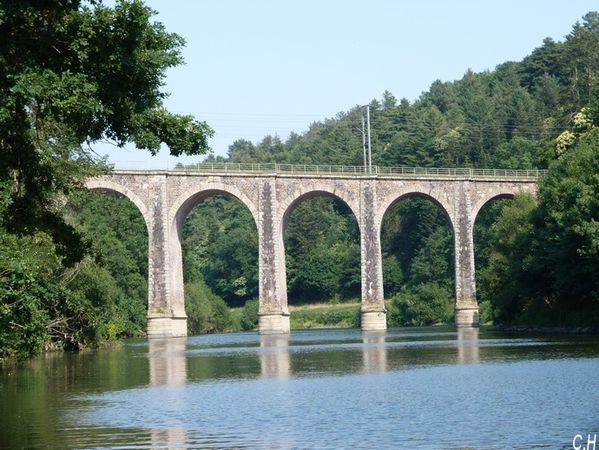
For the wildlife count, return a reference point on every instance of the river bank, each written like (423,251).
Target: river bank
(594,330)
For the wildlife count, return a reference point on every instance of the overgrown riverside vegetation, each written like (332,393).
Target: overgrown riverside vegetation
(73,264)
(73,72)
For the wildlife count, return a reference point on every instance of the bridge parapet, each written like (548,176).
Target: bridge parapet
(362,171)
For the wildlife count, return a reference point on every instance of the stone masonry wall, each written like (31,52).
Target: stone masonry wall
(165,198)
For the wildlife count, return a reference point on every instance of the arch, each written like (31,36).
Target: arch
(178,212)
(284,212)
(288,205)
(485,214)
(104,185)
(494,191)
(413,194)
(482,203)
(185,202)
(407,249)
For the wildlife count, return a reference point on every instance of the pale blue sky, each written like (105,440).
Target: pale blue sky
(271,67)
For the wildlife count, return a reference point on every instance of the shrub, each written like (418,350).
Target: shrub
(206,311)
(249,315)
(424,304)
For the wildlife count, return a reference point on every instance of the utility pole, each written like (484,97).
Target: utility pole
(369,141)
(364,142)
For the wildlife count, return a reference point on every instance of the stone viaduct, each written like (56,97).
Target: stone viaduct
(271,192)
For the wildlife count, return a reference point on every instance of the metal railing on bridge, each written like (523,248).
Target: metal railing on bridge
(311,169)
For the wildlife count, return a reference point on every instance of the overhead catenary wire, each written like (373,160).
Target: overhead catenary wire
(288,123)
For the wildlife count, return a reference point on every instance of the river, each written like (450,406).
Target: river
(413,388)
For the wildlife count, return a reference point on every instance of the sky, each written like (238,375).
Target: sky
(260,67)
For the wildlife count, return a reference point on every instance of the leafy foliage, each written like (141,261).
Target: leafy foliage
(220,246)
(424,304)
(72,73)
(206,312)
(249,315)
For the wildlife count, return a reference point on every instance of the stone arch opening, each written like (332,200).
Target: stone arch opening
(418,196)
(107,186)
(486,215)
(290,208)
(112,217)
(214,249)
(494,199)
(321,238)
(418,256)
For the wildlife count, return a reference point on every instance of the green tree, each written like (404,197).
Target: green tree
(323,251)
(581,50)
(220,247)
(72,73)
(566,227)
(249,315)
(120,246)
(423,304)
(504,257)
(206,312)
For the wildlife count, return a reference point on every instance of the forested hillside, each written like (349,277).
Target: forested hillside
(71,274)
(524,114)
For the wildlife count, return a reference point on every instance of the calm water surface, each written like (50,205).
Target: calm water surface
(424,388)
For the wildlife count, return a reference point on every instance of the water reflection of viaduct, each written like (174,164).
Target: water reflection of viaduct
(168,366)
(165,198)
(168,357)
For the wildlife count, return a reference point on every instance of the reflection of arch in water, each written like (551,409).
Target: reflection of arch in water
(274,356)
(374,352)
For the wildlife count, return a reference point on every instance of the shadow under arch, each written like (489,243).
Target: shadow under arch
(178,213)
(287,208)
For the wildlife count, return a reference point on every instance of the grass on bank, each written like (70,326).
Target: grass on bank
(344,315)
(307,316)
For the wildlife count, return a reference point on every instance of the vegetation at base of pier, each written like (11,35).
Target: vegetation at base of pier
(73,265)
